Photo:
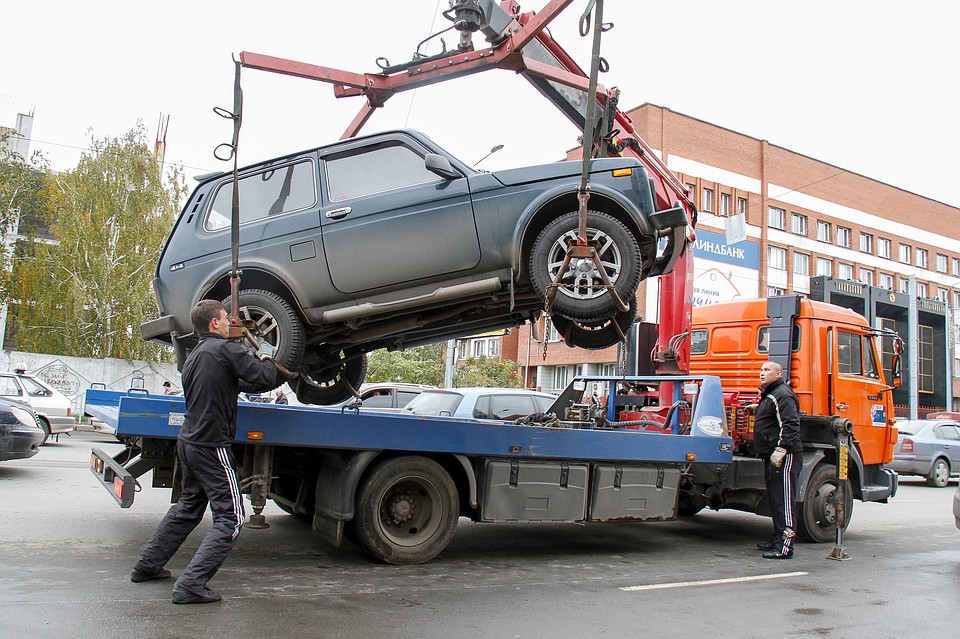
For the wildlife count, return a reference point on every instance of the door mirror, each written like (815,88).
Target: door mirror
(895,370)
(440,165)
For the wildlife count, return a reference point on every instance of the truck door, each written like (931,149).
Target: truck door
(858,392)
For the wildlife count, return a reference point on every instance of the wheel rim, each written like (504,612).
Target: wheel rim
(410,511)
(266,327)
(824,502)
(582,280)
(941,474)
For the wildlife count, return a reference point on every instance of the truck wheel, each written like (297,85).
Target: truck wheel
(331,383)
(275,322)
(595,335)
(407,511)
(939,474)
(580,294)
(817,514)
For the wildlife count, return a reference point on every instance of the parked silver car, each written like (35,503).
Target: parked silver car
(53,407)
(480,403)
(388,241)
(928,447)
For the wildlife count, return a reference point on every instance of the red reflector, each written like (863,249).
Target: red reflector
(907,446)
(118,487)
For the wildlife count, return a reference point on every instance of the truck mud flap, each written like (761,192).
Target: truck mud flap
(114,477)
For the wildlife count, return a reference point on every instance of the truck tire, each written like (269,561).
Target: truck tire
(817,514)
(407,510)
(581,295)
(939,474)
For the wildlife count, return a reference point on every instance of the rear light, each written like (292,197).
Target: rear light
(907,446)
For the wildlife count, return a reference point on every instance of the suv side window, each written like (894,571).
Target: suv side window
(375,169)
(277,190)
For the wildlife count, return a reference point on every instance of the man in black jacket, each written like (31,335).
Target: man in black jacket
(211,381)
(776,435)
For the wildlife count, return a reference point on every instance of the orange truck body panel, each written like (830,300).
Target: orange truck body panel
(733,350)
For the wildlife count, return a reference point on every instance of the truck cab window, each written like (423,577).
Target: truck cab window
(849,356)
(698,342)
(870,368)
(763,339)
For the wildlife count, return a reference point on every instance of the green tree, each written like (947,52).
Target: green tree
(87,292)
(487,371)
(20,182)
(420,365)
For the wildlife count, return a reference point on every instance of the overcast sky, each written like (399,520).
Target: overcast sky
(868,86)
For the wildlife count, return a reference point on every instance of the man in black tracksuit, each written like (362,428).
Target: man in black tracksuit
(776,436)
(211,382)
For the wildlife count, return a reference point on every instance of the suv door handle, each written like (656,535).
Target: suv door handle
(335,214)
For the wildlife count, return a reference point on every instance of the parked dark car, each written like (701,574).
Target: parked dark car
(388,241)
(20,432)
(928,447)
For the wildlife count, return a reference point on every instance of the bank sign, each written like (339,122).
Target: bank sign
(724,272)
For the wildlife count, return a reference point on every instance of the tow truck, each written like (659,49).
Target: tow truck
(624,448)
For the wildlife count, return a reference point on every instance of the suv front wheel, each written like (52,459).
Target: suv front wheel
(272,319)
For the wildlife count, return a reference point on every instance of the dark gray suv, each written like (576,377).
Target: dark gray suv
(388,241)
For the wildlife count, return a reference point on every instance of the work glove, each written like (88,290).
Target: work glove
(266,350)
(776,457)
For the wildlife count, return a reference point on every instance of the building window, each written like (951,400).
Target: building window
(843,236)
(866,243)
(773,291)
(885,281)
(798,224)
(955,266)
(463,348)
(941,263)
(741,205)
(956,368)
(801,264)
(561,376)
(845,271)
(883,247)
(776,218)
(725,204)
(904,253)
(942,295)
(922,258)
(824,267)
(823,231)
(692,191)
(777,258)
(904,285)
(956,305)
(921,290)
(866,277)
(926,359)
(552,334)
(707,200)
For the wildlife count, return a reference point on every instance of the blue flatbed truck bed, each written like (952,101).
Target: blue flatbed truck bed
(403,480)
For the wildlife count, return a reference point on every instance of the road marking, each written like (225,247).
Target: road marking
(712,582)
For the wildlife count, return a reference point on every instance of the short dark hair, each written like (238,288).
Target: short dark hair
(167,384)
(203,312)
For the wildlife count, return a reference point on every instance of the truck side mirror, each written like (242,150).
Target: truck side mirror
(896,370)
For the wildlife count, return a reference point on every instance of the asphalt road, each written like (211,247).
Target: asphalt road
(66,550)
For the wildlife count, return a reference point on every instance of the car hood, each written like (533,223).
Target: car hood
(512,177)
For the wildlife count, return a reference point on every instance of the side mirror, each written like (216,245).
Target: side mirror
(440,165)
(896,370)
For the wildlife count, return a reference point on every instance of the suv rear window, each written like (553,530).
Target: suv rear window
(272,192)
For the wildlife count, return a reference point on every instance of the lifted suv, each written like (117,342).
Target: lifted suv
(388,241)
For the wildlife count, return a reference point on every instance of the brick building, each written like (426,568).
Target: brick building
(811,228)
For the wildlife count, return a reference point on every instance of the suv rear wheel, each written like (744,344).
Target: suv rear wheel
(331,382)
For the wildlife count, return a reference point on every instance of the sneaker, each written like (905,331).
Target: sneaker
(187,597)
(778,554)
(139,577)
(765,546)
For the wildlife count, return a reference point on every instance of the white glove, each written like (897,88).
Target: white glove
(266,350)
(776,457)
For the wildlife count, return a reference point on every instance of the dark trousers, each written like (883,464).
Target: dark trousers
(782,496)
(209,475)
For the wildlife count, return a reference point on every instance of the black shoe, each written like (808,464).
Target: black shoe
(139,577)
(765,546)
(186,597)
(778,554)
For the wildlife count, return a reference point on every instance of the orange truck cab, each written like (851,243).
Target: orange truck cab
(830,356)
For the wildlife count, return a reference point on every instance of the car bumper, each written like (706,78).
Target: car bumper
(158,329)
(20,443)
(60,423)
(911,466)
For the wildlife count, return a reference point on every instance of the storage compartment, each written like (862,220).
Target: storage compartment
(634,493)
(534,491)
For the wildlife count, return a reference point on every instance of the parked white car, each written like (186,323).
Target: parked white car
(52,406)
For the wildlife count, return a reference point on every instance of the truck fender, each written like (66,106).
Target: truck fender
(337,484)
(471,478)
(812,458)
